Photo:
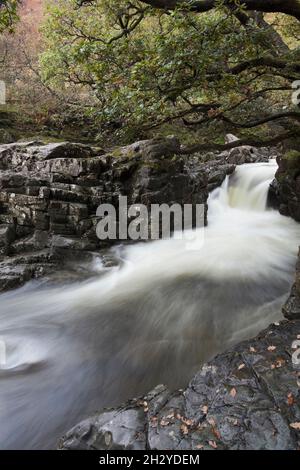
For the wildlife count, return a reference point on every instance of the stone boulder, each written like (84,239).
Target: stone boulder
(245,153)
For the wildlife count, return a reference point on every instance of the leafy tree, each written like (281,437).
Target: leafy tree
(142,64)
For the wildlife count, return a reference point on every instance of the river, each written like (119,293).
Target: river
(171,305)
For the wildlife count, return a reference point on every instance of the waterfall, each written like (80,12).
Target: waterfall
(171,306)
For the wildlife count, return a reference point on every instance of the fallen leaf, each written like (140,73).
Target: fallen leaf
(199,446)
(188,422)
(277,323)
(295,426)
(211,421)
(213,444)
(251,349)
(184,429)
(273,366)
(204,409)
(271,348)
(217,433)
(241,366)
(164,422)
(171,415)
(233,392)
(290,399)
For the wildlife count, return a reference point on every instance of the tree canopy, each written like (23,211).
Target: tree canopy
(138,65)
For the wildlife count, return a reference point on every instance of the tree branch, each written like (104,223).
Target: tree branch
(251,141)
(289,7)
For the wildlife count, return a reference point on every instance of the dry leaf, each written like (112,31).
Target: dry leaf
(211,421)
(199,446)
(273,366)
(164,423)
(271,348)
(171,415)
(184,429)
(188,422)
(213,444)
(295,426)
(233,392)
(204,409)
(251,349)
(290,399)
(217,433)
(241,366)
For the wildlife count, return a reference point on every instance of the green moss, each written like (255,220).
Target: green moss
(292,155)
(293,159)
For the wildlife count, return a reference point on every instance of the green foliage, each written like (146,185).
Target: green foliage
(136,67)
(8,14)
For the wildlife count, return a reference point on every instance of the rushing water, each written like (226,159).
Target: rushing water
(172,305)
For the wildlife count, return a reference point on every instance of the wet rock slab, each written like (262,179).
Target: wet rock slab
(247,398)
(291,309)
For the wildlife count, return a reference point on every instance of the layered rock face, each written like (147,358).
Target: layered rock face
(291,309)
(244,399)
(287,187)
(49,196)
(288,184)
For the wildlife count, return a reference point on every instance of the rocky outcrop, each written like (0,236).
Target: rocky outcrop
(247,398)
(287,184)
(49,195)
(286,188)
(291,309)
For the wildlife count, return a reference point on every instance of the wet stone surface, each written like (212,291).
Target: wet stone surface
(247,398)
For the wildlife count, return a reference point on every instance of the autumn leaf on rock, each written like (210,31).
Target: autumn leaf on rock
(217,433)
(290,399)
(295,426)
(213,444)
(164,423)
(184,429)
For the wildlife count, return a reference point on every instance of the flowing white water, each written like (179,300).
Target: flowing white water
(172,305)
